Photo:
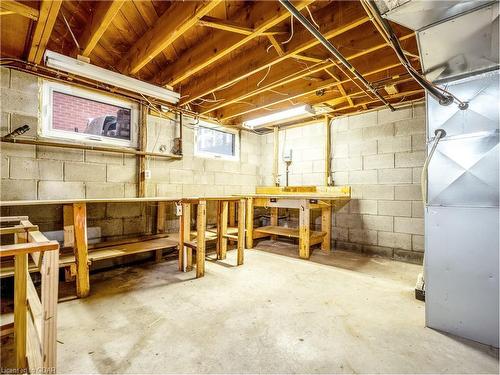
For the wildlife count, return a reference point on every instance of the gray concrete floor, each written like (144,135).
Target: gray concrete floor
(343,313)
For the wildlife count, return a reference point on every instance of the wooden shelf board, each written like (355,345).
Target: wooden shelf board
(288,232)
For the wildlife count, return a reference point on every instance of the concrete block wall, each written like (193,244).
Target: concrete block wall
(380,155)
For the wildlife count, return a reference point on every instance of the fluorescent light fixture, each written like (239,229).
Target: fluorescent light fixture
(277,116)
(83,69)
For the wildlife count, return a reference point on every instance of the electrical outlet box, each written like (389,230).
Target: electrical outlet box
(178,209)
(147,174)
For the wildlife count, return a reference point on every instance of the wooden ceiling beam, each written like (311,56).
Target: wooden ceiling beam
(101,18)
(238,94)
(259,60)
(234,27)
(199,57)
(49,9)
(17,7)
(179,18)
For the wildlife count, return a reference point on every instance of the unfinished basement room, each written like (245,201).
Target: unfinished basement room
(249,187)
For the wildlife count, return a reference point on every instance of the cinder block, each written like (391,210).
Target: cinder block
(410,159)
(376,222)
(120,210)
(419,111)
(4,166)
(377,192)
(395,176)
(50,169)
(351,136)
(340,234)
(204,178)
(340,124)
(15,190)
(179,176)
(362,120)
(395,208)
(168,190)
(4,78)
(84,172)
(379,131)
(418,142)
(409,127)
(341,178)
(122,173)
(130,190)
(363,148)
(60,190)
(363,177)
(363,236)
(313,178)
(384,252)
(348,164)
(418,242)
(4,123)
(109,227)
(386,115)
(96,210)
(408,192)
(417,175)
(378,161)
(51,213)
(23,169)
(340,150)
(23,151)
(17,120)
(134,225)
(417,209)
(104,190)
(22,81)
(408,256)
(19,102)
(44,152)
(348,221)
(394,144)
(363,206)
(409,225)
(354,247)
(103,157)
(395,240)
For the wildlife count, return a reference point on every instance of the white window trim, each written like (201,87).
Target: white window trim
(48,87)
(212,155)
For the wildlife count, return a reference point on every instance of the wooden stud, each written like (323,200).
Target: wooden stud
(11,6)
(218,229)
(249,223)
(101,18)
(49,10)
(328,152)
(232,213)
(276,147)
(81,250)
(304,230)
(185,253)
(20,309)
(141,159)
(223,229)
(160,226)
(201,221)
(241,231)
(274,219)
(326,226)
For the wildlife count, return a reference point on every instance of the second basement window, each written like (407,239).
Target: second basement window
(82,115)
(213,141)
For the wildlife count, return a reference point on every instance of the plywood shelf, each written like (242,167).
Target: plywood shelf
(315,236)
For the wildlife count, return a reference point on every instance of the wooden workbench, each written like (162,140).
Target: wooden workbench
(305,199)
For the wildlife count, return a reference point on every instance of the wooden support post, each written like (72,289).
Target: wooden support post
(49,271)
(141,159)
(249,223)
(201,221)
(232,216)
(185,253)
(304,230)
(223,229)
(69,228)
(218,229)
(241,231)
(328,152)
(160,226)
(275,156)
(274,220)
(81,250)
(326,226)
(20,309)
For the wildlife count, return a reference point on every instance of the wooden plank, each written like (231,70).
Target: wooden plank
(49,272)
(33,349)
(34,308)
(287,232)
(284,189)
(304,231)
(218,231)
(160,225)
(185,254)
(232,214)
(99,22)
(326,226)
(276,45)
(276,147)
(223,228)
(201,222)
(81,250)
(274,219)
(141,159)
(19,8)
(249,223)
(11,250)
(179,18)
(241,231)
(20,308)
(43,29)
(328,152)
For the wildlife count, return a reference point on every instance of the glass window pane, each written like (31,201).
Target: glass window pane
(80,115)
(216,141)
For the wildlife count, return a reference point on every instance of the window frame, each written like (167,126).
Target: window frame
(47,130)
(214,155)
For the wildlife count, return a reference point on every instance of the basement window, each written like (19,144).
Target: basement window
(214,141)
(78,114)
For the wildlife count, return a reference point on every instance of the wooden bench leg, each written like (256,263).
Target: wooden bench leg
(223,229)
(326,226)
(76,216)
(249,223)
(241,231)
(20,309)
(160,226)
(201,220)
(304,230)
(274,220)
(185,253)
(232,217)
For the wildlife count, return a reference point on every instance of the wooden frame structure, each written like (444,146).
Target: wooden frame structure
(35,319)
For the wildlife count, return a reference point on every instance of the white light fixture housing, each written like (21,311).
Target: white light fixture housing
(277,116)
(83,69)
